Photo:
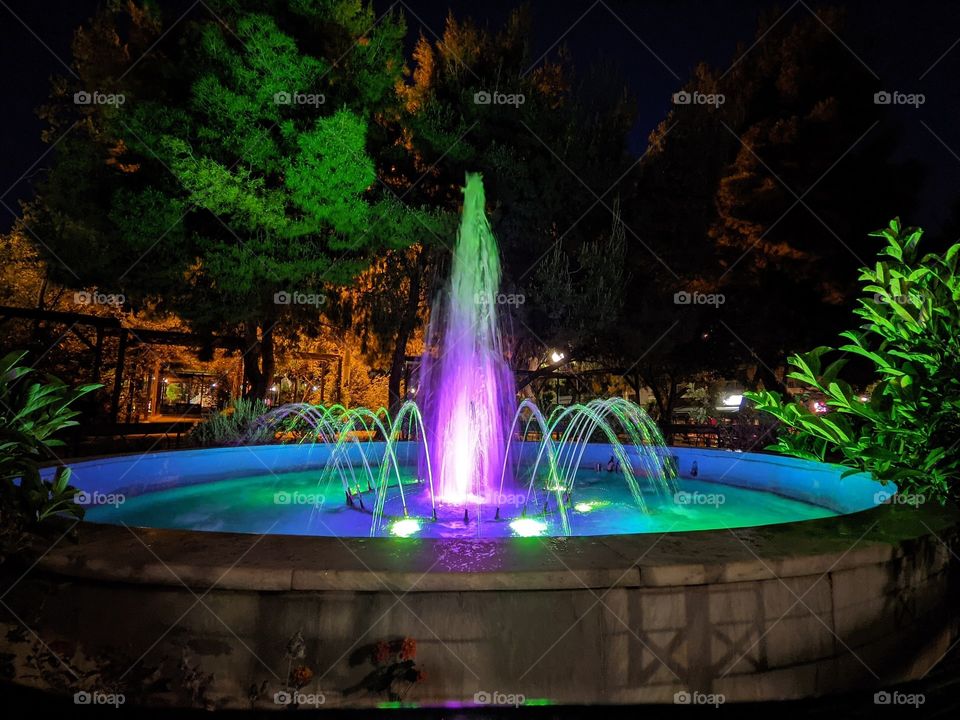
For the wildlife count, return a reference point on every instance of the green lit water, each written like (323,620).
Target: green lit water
(294,504)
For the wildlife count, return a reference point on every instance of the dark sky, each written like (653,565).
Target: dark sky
(913,47)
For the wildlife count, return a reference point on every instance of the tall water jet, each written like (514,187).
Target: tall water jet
(465,382)
(466,443)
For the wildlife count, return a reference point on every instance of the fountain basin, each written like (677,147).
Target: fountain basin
(790,610)
(278,489)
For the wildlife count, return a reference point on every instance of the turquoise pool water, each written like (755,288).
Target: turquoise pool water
(293,503)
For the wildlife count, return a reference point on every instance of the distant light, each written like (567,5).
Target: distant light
(315,388)
(556,356)
(213,384)
(528,527)
(165,380)
(864,398)
(273,388)
(819,407)
(734,400)
(591,505)
(405,527)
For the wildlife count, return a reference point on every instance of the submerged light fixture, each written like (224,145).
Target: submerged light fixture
(528,527)
(405,527)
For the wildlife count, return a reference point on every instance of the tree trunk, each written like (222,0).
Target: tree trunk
(258,361)
(769,379)
(634,380)
(666,397)
(396,372)
(408,322)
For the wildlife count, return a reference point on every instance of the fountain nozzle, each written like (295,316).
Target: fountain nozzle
(466,516)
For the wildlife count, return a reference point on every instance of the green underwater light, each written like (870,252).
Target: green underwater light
(405,527)
(528,527)
(585,507)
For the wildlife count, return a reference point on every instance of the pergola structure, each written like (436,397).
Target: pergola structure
(81,326)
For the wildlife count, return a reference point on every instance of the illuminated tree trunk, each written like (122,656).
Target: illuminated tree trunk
(408,322)
(258,361)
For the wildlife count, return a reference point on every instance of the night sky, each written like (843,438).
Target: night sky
(913,47)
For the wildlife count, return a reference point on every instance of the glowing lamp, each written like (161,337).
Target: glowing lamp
(405,528)
(528,527)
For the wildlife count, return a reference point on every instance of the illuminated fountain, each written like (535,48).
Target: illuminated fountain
(468,388)
(466,452)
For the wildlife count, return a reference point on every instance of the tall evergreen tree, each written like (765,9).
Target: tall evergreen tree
(236,172)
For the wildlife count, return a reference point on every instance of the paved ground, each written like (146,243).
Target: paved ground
(940,691)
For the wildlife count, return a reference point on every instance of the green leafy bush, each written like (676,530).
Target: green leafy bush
(32,411)
(236,424)
(908,430)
